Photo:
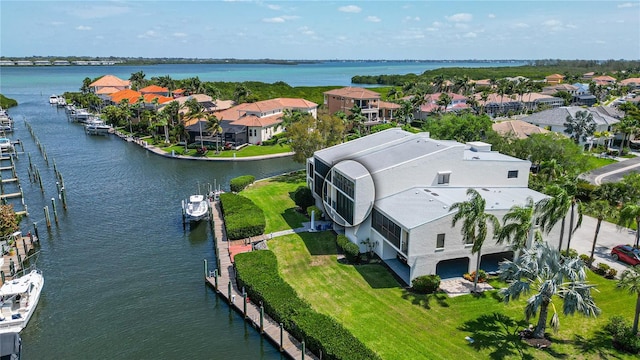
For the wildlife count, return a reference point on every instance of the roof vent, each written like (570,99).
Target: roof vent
(485,189)
(427,190)
(476,158)
(434,194)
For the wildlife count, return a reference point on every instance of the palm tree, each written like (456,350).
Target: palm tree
(213,127)
(630,280)
(86,85)
(581,126)
(576,204)
(517,226)
(544,270)
(629,214)
(475,224)
(554,209)
(601,210)
(444,100)
(137,80)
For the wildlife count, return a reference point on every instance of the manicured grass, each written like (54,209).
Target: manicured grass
(594,162)
(274,197)
(250,150)
(398,324)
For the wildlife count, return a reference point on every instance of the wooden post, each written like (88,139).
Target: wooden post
(206,272)
(2,276)
(281,338)
(215,278)
(261,318)
(63,197)
(40,180)
(55,212)
(47,217)
(303,350)
(229,291)
(184,215)
(244,304)
(35,231)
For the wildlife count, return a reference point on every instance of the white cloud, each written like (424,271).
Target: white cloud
(305,30)
(461,26)
(553,25)
(94,12)
(373,19)
(431,29)
(491,16)
(436,24)
(521,25)
(627,5)
(411,18)
(459,17)
(350,9)
(410,34)
(148,34)
(273,20)
(179,34)
(83,28)
(572,26)
(273,7)
(470,34)
(57,23)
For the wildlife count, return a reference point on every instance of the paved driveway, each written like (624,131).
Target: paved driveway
(610,236)
(613,172)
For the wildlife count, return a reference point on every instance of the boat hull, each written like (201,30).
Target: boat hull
(16,315)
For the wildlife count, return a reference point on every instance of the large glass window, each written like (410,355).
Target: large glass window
(322,170)
(344,207)
(387,228)
(344,184)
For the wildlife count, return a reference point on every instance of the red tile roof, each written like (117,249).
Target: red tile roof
(154,89)
(129,94)
(110,80)
(354,93)
(252,120)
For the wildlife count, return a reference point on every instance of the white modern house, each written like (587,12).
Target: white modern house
(394,190)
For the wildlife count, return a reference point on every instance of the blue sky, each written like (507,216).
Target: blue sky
(323,29)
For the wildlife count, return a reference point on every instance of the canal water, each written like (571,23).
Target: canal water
(122,277)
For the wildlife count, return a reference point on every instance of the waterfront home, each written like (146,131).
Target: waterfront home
(109,84)
(495,104)
(394,198)
(632,83)
(554,119)
(155,89)
(554,79)
(432,104)
(517,128)
(372,108)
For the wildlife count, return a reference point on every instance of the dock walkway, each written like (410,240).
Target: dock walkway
(20,251)
(228,290)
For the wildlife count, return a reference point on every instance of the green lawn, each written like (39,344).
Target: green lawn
(250,150)
(594,162)
(274,197)
(400,325)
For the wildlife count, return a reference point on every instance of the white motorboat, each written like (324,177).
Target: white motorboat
(196,209)
(19,298)
(53,99)
(62,102)
(97,127)
(5,145)
(81,115)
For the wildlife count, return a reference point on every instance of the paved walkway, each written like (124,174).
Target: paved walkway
(158,151)
(460,286)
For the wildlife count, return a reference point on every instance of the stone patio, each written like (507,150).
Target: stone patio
(459,286)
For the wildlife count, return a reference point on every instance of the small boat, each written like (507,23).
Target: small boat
(196,209)
(5,145)
(19,298)
(62,102)
(53,99)
(97,127)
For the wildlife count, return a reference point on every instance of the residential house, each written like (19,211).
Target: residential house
(534,101)
(496,105)
(632,83)
(554,119)
(155,89)
(346,98)
(553,89)
(588,76)
(554,79)
(604,80)
(393,191)
(518,128)
(109,84)
(431,104)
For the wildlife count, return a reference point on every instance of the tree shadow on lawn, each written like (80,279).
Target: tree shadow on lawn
(599,344)
(291,178)
(500,334)
(293,217)
(425,300)
(320,243)
(377,276)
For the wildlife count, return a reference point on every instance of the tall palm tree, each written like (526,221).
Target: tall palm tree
(544,270)
(600,209)
(213,127)
(517,226)
(137,80)
(576,209)
(580,126)
(554,209)
(629,214)
(475,224)
(630,280)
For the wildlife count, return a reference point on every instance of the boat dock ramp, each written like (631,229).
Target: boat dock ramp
(223,281)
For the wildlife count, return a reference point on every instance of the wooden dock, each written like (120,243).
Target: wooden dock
(21,249)
(227,288)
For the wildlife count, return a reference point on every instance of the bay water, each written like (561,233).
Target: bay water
(123,279)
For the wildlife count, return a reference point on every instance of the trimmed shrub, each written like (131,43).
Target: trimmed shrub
(622,333)
(571,254)
(241,182)
(303,197)
(257,271)
(611,273)
(342,240)
(316,214)
(585,259)
(602,269)
(352,252)
(482,276)
(242,218)
(426,284)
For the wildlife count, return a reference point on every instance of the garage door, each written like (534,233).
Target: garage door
(489,262)
(452,268)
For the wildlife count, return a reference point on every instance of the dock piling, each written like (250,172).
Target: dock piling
(55,212)
(281,338)
(261,318)
(47,217)
(206,269)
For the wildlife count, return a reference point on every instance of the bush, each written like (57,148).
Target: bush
(258,272)
(622,333)
(303,197)
(314,209)
(611,273)
(482,276)
(352,252)
(426,284)
(585,259)
(342,240)
(602,269)
(571,254)
(242,218)
(241,182)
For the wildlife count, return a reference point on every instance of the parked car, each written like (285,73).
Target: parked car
(626,253)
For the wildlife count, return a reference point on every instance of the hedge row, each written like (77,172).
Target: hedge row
(242,218)
(351,250)
(241,182)
(258,272)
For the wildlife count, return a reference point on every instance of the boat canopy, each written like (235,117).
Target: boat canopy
(196,198)
(16,286)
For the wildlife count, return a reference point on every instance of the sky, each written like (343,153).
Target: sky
(391,30)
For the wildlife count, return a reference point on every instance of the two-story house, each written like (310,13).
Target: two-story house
(391,192)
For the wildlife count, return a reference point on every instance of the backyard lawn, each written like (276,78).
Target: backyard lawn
(274,197)
(250,150)
(398,324)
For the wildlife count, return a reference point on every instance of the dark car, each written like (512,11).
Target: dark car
(626,253)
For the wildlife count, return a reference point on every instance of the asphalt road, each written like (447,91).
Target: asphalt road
(613,172)
(610,235)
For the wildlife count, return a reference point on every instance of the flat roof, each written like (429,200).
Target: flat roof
(350,149)
(420,205)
